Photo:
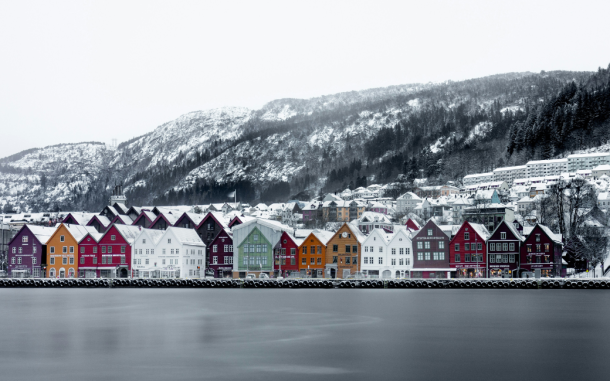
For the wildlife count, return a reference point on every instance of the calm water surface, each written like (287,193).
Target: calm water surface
(218,334)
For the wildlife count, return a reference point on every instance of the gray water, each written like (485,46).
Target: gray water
(229,334)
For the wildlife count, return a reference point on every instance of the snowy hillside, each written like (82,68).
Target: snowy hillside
(288,140)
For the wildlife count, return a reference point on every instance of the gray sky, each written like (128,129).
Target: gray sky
(75,71)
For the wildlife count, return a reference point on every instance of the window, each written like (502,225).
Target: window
(335,259)
(52,249)
(303,261)
(64,261)
(34,249)
(492,258)
(82,250)
(20,250)
(546,247)
(492,247)
(123,250)
(529,248)
(420,256)
(503,235)
(304,249)
(435,256)
(215,248)
(62,238)
(320,250)
(95,260)
(427,244)
(335,249)
(402,251)
(24,239)
(255,237)
(393,261)
(103,249)
(113,238)
(441,244)
(505,247)
(355,249)
(18,260)
(466,257)
(313,250)
(427,256)
(504,258)
(401,262)
(511,258)
(52,260)
(348,260)
(393,251)
(64,249)
(144,241)
(429,232)
(146,261)
(457,247)
(466,235)
(467,247)
(480,246)
(109,249)
(538,248)
(169,240)
(381,249)
(347,248)
(123,259)
(366,260)
(71,249)
(71,260)
(214,260)
(457,257)
(420,245)
(163,261)
(512,246)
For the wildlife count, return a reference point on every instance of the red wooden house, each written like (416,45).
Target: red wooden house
(468,251)
(286,255)
(221,254)
(88,255)
(503,248)
(541,252)
(114,254)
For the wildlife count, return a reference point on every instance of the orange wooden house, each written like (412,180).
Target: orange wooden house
(312,253)
(62,250)
(343,252)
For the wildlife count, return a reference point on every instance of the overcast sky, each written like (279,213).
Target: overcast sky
(75,71)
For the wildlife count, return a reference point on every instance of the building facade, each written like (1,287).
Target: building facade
(431,252)
(342,252)
(503,251)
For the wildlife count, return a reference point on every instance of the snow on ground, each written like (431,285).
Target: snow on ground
(512,109)
(480,130)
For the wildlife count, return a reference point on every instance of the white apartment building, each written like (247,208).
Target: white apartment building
(178,253)
(408,201)
(478,178)
(541,168)
(601,170)
(387,255)
(587,161)
(509,174)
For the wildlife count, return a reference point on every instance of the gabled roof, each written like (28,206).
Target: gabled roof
(80,218)
(170,219)
(153,234)
(96,237)
(216,216)
(412,224)
(77,231)
(195,218)
(511,227)
(121,208)
(42,233)
(112,210)
(136,209)
(103,220)
(356,232)
(382,234)
(323,236)
(122,218)
(147,215)
(185,236)
(128,232)
(275,225)
(400,233)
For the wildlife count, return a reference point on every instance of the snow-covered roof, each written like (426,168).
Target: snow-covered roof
(552,161)
(603,167)
(81,218)
(105,221)
(128,232)
(323,235)
(79,231)
(154,235)
(124,218)
(42,233)
(585,155)
(481,230)
(356,232)
(186,236)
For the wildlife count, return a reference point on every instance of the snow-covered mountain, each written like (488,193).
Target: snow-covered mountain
(288,140)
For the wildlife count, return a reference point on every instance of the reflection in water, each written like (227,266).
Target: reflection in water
(184,334)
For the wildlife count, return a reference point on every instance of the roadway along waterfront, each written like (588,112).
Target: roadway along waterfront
(303,334)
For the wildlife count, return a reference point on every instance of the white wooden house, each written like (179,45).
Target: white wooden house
(387,255)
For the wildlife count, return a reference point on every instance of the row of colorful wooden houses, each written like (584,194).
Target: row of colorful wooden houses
(195,245)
